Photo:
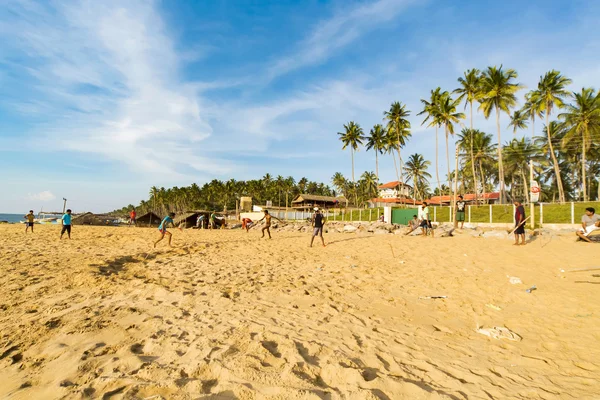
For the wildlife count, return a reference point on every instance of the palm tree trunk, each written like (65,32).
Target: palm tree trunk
(352,154)
(525,185)
(395,166)
(447,158)
(482,181)
(472,157)
(561,194)
(500,166)
(437,170)
(377,165)
(583,161)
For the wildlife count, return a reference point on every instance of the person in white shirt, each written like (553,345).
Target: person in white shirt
(589,222)
(424,218)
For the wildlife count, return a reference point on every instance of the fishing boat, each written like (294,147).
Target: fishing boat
(45,218)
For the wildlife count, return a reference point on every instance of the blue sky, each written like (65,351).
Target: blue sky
(103,99)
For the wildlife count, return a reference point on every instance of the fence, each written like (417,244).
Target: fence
(544,213)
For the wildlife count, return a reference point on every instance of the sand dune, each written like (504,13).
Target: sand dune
(225,315)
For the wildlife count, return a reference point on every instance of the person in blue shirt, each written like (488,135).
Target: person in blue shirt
(66,224)
(162,228)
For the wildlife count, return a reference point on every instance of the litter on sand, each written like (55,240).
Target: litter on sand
(494,307)
(531,289)
(514,280)
(499,332)
(432,297)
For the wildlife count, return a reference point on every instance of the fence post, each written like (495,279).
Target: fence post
(370,219)
(491,214)
(360,215)
(541,214)
(514,210)
(434,214)
(377,213)
(469,214)
(572,212)
(450,210)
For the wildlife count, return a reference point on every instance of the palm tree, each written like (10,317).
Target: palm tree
(416,169)
(582,120)
(369,184)
(399,124)
(532,109)
(340,182)
(550,93)
(391,145)
(448,117)
(498,92)
(517,154)
(483,151)
(431,108)
(376,141)
(518,121)
(352,137)
(469,91)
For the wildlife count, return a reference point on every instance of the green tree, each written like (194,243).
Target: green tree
(352,137)
(448,116)
(376,141)
(582,121)
(416,169)
(518,121)
(550,94)
(431,109)
(398,123)
(498,93)
(470,91)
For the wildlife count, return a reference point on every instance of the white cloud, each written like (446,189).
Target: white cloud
(46,195)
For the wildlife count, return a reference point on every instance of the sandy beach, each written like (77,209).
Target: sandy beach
(226,315)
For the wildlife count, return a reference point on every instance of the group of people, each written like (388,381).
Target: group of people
(65,222)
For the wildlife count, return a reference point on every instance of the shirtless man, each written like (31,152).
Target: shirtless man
(267,219)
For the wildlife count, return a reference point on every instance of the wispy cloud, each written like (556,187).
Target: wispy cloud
(339,31)
(46,195)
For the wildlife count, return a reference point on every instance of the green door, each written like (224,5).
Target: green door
(401,216)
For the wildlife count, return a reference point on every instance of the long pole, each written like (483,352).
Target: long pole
(455,188)
(531,207)
(64,205)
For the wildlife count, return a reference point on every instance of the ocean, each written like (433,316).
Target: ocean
(12,218)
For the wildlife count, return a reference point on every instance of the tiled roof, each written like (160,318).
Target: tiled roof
(392,185)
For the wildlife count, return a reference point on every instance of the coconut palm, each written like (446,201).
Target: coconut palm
(352,137)
(483,150)
(498,93)
(448,117)
(369,184)
(376,141)
(390,146)
(531,109)
(340,182)
(431,109)
(416,171)
(550,93)
(518,121)
(469,91)
(399,124)
(582,119)
(517,154)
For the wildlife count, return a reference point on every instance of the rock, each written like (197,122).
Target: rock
(350,229)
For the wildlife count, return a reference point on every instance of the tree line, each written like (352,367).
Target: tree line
(566,156)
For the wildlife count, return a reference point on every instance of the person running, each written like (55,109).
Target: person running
(132,216)
(246,224)
(162,228)
(317,222)
(413,224)
(425,221)
(519,223)
(460,211)
(267,226)
(589,222)
(30,218)
(66,224)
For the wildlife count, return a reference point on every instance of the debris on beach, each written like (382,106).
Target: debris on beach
(499,332)
(531,289)
(515,280)
(432,297)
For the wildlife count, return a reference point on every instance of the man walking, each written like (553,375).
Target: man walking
(317,222)
(519,223)
(66,224)
(460,211)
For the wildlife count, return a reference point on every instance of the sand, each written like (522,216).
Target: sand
(226,315)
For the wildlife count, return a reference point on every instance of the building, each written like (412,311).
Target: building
(486,198)
(381,202)
(308,201)
(148,219)
(394,190)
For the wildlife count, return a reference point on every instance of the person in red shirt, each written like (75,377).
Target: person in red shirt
(246,223)
(132,216)
(519,223)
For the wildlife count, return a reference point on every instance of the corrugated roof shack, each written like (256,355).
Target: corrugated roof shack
(148,219)
(308,201)
(89,218)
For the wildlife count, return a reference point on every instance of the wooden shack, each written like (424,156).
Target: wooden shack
(308,201)
(148,219)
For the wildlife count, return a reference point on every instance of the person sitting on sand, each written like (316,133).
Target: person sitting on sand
(317,222)
(162,228)
(519,223)
(30,218)
(460,211)
(267,226)
(66,224)
(425,221)
(412,225)
(246,224)
(589,222)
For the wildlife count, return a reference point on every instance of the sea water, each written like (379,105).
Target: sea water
(12,218)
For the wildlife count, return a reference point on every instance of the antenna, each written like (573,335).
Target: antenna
(64,205)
